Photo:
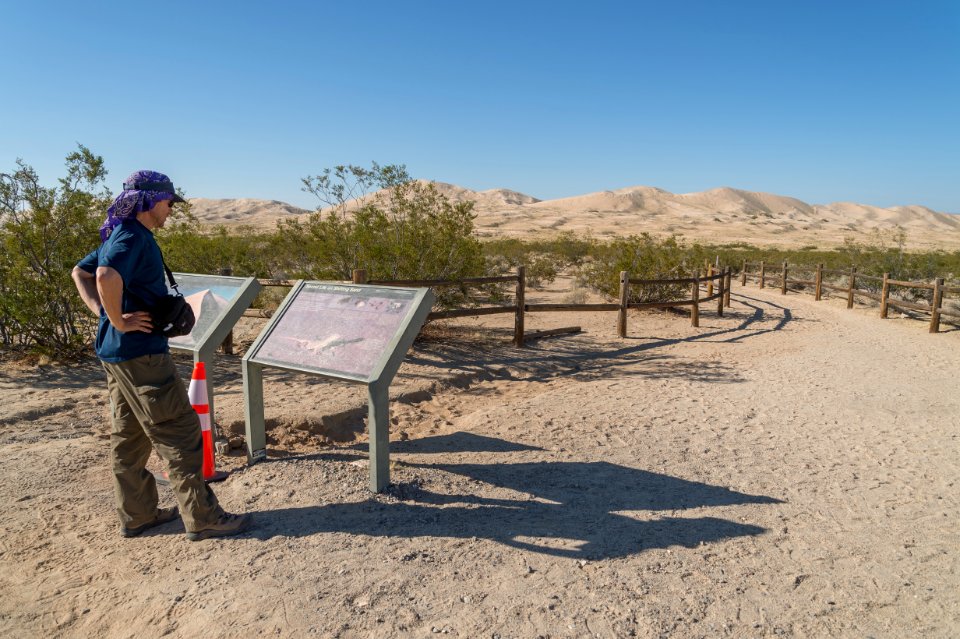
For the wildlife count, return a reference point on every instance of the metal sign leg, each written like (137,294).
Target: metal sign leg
(255,428)
(378,426)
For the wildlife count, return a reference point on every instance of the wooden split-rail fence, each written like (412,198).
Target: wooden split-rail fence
(715,280)
(781,277)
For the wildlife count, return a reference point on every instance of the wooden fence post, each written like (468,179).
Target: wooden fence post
(695,308)
(709,273)
(935,304)
(763,273)
(884,295)
(783,280)
(819,290)
(743,274)
(521,306)
(720,293)
(853,283)
(622,314)
(227,346)
(726,290)
(359,276)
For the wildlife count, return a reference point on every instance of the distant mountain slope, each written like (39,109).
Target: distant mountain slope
(486,200)
(722,215)
(258,213)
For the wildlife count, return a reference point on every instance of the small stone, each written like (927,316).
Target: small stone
(235,443)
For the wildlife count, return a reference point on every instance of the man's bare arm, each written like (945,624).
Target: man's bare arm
(110,289)
(87,287)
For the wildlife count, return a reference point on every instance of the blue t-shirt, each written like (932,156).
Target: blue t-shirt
(131,251)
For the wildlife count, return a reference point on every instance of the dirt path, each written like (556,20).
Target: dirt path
(787,470)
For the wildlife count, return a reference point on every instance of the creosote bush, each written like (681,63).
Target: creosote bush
(44,232)
(643,257)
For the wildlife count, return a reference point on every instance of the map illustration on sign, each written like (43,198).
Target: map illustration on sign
(336,329)
(209,296)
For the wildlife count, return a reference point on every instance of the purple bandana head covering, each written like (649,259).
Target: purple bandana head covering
(141,192)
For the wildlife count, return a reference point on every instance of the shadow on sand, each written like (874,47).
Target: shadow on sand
(572,356)
(584,510)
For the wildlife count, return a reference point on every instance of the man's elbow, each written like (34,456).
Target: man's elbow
(79,274)
(105,274)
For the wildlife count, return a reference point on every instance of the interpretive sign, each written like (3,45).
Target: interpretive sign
(354,332)
(218,301)
(337,330)
(210,297)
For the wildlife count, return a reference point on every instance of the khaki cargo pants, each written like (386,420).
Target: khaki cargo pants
(150,409)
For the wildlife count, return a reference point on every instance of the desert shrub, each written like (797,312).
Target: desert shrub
(544,259)
(191,248)
(577,296)
(542,269)
(569,249)
(405,230)
(564,249)
(44,232)
(643,257)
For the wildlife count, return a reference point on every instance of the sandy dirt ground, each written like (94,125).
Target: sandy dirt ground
(787,470)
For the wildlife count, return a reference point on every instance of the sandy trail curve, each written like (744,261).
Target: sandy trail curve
(788,470)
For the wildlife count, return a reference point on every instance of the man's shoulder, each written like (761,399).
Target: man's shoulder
(131,233)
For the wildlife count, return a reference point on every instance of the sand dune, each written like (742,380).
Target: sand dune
(258,213)
(722,215)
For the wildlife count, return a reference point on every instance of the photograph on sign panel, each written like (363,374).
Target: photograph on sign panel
(337,329)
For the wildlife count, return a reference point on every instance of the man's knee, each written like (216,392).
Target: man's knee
(178,440)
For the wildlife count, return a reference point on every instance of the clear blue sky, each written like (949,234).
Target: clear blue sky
(824,101)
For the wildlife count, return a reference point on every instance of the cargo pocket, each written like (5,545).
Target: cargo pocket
(163,402)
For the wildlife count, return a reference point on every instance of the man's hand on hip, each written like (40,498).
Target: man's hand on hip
(136,321)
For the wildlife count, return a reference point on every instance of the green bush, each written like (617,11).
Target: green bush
(643,257)
(44,232)
(406,230)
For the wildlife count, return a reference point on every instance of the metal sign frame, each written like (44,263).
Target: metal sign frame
(377,382)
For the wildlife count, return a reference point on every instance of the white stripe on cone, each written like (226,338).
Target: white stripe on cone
(204,421)
(198,393)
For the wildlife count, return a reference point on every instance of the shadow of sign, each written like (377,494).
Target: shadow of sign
(460,442)
(582,510)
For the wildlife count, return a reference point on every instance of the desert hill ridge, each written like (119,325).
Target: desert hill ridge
(720,215)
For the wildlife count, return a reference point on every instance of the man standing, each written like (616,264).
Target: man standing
(120,281)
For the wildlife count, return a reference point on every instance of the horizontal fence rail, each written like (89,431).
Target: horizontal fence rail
(712,285)
(713,279)
(935,306)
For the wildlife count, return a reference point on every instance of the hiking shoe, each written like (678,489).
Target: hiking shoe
(228,524)
(163,516)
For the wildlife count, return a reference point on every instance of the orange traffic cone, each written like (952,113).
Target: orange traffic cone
(200,403)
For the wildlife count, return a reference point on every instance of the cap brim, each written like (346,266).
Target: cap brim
(177,198)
